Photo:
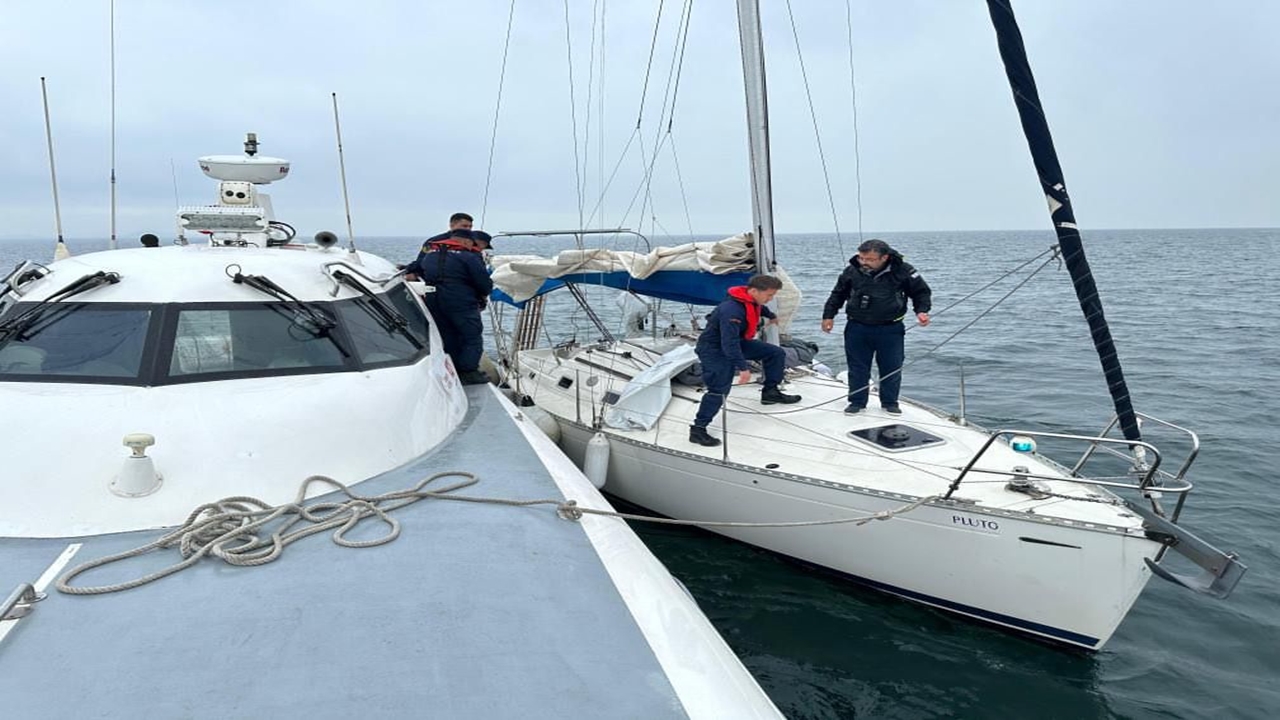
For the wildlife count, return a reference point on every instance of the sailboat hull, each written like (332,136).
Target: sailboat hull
(1070,585)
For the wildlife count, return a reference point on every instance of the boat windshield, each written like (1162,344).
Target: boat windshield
(137,344)
(78,340)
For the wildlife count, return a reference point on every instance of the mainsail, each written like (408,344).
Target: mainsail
(1036,128)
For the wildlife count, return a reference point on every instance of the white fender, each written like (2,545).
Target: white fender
(596,464)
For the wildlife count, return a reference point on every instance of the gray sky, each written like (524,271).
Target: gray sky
(1165,113)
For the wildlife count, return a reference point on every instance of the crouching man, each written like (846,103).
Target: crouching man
(728,343)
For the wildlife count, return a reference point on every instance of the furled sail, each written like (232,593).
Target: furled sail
(698,273)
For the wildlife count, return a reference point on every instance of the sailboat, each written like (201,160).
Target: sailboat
(924,505)
(179,420)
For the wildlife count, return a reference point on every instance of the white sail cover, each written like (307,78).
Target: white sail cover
(521,277)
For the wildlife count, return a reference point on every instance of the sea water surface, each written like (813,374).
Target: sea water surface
(1194,320)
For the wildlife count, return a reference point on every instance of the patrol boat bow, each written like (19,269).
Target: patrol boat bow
(139,385)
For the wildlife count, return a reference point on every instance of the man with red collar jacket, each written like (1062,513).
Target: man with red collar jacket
(875,288)
(458,287)
(728,343)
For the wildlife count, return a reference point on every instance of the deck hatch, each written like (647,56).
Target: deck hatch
(896,437)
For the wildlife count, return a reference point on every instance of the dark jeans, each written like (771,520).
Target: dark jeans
(885,343)
(461,329)
(718,372)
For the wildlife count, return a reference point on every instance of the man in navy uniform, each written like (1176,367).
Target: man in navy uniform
(458,287)
(728,343)
(874,289)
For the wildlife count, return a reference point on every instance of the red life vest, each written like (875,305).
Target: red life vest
(740,294)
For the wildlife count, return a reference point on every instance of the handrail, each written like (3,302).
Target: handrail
(1142,485)
(348,266)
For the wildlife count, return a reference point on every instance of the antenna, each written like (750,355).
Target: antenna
(114,244)
(177,204)
(60,251)
(342,168)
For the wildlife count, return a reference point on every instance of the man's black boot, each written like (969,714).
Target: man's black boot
(771,395)
(700,436)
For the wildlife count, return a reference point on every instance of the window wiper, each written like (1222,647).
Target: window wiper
(319,324)
(22,325)
(388,318)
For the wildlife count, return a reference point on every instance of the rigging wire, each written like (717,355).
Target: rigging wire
(684,198)
(586,132)
(662,138)
(817,136)
(493,137)
(653,44)
(573,116)
(600,99)
(853,100)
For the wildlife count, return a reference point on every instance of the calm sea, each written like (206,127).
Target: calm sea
(1200,342)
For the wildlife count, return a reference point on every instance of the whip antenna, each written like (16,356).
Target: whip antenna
(114,244)
(177,204)
(342,169)
(60,250)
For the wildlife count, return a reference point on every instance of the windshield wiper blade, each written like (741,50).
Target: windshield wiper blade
(320,324)
(264,284)
(388,317)
(16,326)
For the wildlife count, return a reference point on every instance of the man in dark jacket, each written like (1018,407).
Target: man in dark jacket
(458,286)
(874,289)
(726,345)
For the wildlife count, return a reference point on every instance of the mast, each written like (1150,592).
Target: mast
(1036,128)
(757,132)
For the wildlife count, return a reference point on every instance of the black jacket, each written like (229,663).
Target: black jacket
(879,299)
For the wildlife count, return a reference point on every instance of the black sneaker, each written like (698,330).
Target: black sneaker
(892,409)
(774,396)
(852,409)
(473,377)
(700,436)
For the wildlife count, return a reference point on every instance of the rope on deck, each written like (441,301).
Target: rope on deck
(235,530)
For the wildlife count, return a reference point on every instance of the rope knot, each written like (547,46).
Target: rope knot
(569,510)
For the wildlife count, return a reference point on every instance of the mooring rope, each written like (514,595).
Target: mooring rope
(234,529)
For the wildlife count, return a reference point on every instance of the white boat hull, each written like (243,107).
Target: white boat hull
(1068,584)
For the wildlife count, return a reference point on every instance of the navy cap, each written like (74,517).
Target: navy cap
(461,234)
(482,237)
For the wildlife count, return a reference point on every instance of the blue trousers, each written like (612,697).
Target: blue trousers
(718,372)
(885,344)
(461,329)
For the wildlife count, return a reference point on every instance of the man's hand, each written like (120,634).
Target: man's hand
(410,276)
(923,318)
(744,377)
(827,324)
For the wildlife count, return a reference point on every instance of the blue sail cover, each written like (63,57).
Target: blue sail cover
(686,286)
